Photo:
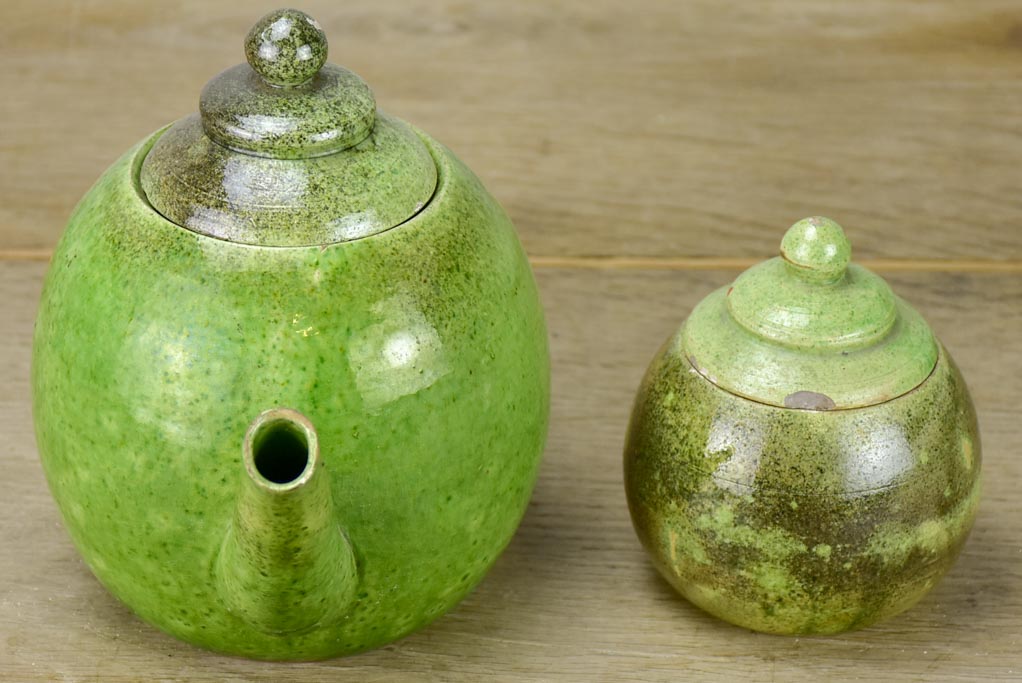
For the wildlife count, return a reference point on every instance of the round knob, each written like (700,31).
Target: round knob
(286,47)
(817,250)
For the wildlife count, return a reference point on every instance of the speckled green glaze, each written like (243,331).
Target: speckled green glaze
(286,103)
(330,113)
(800,519)
(287,151)
(367,189)
(285,566)
(286,47)
(417,354)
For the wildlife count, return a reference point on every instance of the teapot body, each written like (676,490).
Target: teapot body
(418,353)
(800,521)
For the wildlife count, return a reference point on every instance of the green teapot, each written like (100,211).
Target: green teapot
(290,369)
(803,454)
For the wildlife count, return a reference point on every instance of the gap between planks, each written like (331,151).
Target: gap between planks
(725,263)
(686,263)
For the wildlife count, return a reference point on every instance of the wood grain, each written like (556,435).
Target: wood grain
(647,151)
(574,597)
(690,129)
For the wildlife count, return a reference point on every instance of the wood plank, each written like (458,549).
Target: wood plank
(574,597)
(682,129)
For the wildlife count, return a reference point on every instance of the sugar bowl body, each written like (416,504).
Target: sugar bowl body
(803,454)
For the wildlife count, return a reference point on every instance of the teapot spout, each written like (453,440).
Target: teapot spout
(285,565)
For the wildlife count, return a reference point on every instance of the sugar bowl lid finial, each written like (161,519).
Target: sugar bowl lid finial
(817,250)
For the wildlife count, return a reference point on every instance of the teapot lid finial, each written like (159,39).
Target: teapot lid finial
(286,47)
(287,102)
(810,323)
(288,150)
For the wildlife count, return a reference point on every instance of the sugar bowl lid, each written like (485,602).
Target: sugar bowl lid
(288,150)
(810,330)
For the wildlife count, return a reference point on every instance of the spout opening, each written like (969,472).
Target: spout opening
(281,450)
(281,453)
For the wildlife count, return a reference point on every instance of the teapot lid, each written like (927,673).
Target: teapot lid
(288,150)
(810,330)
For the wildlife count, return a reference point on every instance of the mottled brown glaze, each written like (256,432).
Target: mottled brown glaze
(800,521)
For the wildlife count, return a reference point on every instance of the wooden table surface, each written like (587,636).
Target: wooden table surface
(647,152)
